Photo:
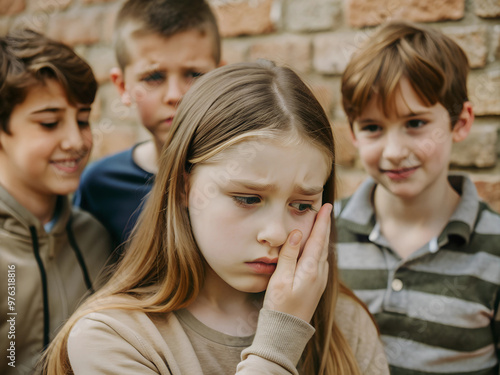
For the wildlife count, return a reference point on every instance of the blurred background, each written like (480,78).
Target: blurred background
(314,37)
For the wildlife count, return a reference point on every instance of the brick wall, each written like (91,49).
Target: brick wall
(316,38)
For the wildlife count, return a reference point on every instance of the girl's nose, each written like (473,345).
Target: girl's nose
(273,231)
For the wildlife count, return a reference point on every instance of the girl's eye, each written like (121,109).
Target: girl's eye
(246,201)
(302,207)
(415,124)
(371,128)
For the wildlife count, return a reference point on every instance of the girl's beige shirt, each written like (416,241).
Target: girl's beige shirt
(132,342)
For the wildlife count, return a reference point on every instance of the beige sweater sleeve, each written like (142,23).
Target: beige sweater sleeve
(278,345)
(361,334)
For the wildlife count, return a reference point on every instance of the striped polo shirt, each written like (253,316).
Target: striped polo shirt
(438,310)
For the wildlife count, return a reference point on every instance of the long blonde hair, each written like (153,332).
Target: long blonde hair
(163,267)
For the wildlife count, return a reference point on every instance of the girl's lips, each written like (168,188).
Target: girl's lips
(262,268)
(399,174)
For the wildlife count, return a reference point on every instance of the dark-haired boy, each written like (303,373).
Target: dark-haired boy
(415,242)
(50,254)
(161,47)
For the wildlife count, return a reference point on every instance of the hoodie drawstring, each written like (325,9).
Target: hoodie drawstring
(79,257)
(43,275)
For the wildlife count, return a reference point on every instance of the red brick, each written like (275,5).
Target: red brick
(332,51)
(101,59)
(97,1)
(81,26)
(473,40)
(495,43)
(325,95)
(247,17)
(312,15)
(478,149)
(36,22)
(374,12)
(108,25)
(488,187)
(291,50)
(487,8)
(234,51)
(110,138)
(48,6)
(10,7)
(484,92)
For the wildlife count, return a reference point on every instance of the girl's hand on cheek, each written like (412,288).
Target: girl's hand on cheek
(296,286)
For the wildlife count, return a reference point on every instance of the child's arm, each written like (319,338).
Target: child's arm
(291,298)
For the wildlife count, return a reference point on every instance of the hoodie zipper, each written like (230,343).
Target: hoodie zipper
(43,275)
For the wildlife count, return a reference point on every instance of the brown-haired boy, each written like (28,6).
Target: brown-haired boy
(161,47)
(49,253)
(415,243)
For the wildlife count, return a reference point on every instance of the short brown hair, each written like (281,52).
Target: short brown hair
(28,58)
(165,18)
(435,65)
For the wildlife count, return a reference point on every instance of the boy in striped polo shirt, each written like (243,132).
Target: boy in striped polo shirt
(415,243)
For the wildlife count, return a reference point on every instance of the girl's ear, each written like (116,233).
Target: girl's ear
(118,79)
(464,123)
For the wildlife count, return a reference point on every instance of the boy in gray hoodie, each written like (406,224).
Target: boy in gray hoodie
(50,253)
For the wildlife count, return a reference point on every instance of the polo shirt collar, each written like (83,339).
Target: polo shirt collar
(359,209)
(463,219)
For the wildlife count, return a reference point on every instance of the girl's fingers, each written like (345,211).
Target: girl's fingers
(287,259)
(316,246)
(282,280)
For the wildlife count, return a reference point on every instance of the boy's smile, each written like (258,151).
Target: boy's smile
(48,145)
(408,150)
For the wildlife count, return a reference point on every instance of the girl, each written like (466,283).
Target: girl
(230,266)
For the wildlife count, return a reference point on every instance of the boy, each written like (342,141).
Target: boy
(49,253)
(161,47)
(416,244)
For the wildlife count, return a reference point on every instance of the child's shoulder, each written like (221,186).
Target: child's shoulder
(129,337)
